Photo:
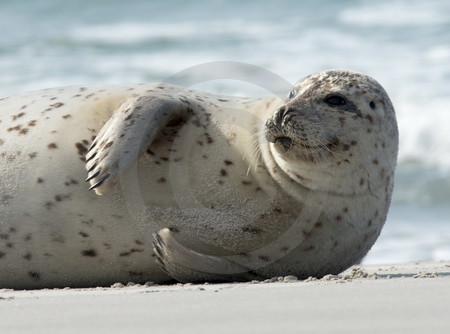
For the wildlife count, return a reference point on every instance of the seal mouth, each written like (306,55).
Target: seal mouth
(285,142)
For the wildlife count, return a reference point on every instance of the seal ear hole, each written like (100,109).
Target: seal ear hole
(372,105)
(292,94)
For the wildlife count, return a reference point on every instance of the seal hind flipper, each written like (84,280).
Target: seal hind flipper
(188,266)
(126,135)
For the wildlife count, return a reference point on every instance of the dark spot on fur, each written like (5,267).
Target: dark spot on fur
(209,139)
(82,150)
(40,180)
(89,252)
(338,217)
(83,234)
(228,162)
(67,116)
(14,128)
(135,273)
(375,161)
(32,155)
(138,242)
(251,229)
(345,147)
(161,180)
(361,182)
(264,258)
(62,197)
(246,183)
(309,248)
(71,182)
(2,255)
(57,105)
(131,251)
(4,236)
(52,146)
(14,117)
(34,275)
(223,172)
(89,222)
(28,256)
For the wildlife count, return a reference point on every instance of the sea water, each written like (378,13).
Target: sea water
(404,44)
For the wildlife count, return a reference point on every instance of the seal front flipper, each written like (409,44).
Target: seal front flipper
(188,266)
(127,134)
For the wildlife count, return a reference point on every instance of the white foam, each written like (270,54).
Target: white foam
(399,13)
(134,32)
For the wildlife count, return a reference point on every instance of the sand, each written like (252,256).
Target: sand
(409,298)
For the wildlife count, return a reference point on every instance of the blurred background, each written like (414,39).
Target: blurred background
(404,44)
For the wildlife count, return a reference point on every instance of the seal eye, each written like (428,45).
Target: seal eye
(335,100)
(292,94)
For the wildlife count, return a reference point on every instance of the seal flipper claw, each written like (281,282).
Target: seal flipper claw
(186,265)
(90,157)
(99,183)
(128,134)
(92,176)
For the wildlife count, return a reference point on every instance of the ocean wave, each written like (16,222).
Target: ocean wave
(396,13)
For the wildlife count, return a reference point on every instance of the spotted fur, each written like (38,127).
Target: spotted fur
(234,188)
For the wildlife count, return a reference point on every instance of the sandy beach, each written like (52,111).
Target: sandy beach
(407,298)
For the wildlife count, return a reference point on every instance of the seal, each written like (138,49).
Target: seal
(195,187)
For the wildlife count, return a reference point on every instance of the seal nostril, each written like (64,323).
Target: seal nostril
(280,114)
(286,142)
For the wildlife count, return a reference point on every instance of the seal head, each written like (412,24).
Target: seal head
(334,119)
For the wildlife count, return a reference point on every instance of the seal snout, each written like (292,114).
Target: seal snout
(274,126)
